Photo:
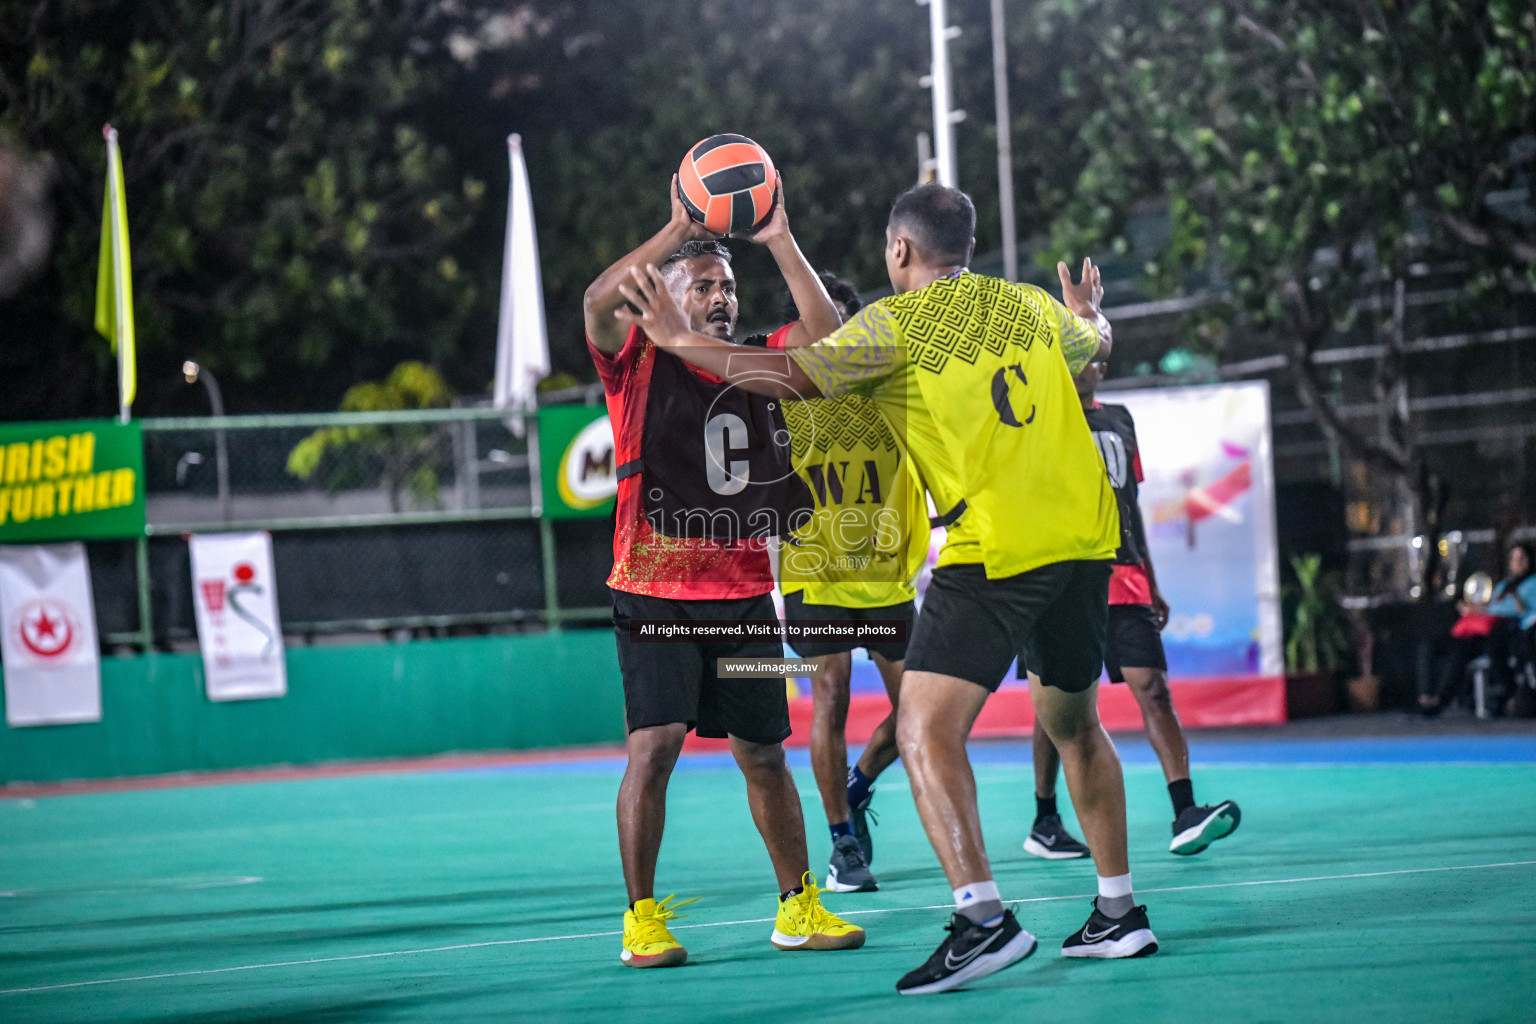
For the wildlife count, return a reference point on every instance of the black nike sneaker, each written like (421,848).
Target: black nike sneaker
(860,817)
(970,952)
(1112,938)
(1199,827)
(1050,839)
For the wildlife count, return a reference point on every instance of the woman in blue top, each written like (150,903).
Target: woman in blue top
(1514,608)
(1497,629)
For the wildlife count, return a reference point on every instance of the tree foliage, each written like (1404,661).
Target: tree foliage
(308,178)
(1309,150)
(1278,128)
(256,171)
(609,94)
(290,202)
(1302,145)
(407,456)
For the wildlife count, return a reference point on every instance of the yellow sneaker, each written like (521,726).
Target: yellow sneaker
(647,942)
(805,924)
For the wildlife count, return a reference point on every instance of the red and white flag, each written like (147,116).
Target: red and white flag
(48,635)
(234,591)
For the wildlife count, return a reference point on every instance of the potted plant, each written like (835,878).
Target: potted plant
(1315,639)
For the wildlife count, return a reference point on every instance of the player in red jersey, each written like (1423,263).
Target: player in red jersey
(1133,653)
(701,464)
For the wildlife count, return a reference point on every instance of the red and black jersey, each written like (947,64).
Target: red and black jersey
(701,485)
(1115,433)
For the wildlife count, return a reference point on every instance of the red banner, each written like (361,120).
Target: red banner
(1201,703)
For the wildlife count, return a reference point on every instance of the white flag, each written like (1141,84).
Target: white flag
(522,347)
(235,596)
(48,622)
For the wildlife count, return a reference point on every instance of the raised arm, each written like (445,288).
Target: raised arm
(818,315)
(752,369)
(603,297)
(1087,329)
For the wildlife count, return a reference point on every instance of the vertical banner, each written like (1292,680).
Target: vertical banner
(1208,501)
(1209,504)
(577,461)
(48,635)
(235,596)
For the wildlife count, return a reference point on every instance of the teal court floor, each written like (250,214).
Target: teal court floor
(1373,879)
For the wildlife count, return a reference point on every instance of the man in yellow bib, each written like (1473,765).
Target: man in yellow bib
(974,376)
(850,567)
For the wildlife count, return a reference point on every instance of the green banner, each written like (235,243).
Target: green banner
(576,462)
(70,480)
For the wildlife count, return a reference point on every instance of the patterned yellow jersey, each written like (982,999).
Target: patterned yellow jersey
(868,537)
(974,377)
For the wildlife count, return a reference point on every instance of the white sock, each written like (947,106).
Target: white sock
(980,902)
(1115,898)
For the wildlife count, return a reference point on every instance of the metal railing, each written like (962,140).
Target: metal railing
(401,474)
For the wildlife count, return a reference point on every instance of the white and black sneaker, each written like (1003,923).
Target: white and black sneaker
(1112,938)
(970,952)
(1050,839)
(860,817)
(1199,827)
(847,870)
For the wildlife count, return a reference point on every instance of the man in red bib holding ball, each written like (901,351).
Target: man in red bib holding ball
(704,480)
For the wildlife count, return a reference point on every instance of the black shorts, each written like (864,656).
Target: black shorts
(796,610)
(972,627)
(1134,640)
(668,681)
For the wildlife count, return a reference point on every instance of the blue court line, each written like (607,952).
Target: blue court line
(1136,751)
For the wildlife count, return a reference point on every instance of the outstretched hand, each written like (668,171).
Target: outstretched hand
(1084,297)
(652,308)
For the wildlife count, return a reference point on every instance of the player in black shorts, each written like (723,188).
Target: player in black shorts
(688,449)
(1133,652)
(975,373)
(847,455)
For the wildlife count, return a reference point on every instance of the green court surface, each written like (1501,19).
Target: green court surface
(1394,882)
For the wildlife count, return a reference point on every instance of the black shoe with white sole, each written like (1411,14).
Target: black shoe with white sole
(1199,827)
(970,952)
(1112,938)
(847,871)
(861,817)
(1049,838)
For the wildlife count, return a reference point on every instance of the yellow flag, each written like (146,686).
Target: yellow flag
(114,276)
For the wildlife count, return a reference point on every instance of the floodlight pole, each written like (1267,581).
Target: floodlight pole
(937,80)
(1004,143)
(195,373)
(925,162)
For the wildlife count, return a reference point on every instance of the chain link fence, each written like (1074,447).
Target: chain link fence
(423,521)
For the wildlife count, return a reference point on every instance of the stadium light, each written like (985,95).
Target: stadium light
(194,373)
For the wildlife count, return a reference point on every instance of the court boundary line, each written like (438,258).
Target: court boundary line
(725,924)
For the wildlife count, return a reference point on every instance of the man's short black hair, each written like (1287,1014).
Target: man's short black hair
(838,290)
(940,221)
(696,248)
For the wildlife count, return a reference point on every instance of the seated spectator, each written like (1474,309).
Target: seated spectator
(1497,629)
